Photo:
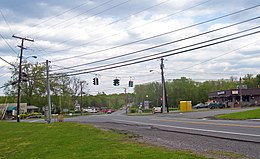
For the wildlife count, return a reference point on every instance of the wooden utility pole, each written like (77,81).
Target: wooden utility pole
(20,74)
(164,96)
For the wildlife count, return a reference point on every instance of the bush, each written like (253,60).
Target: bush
(173,109)
(35,115)
(23,116)
(133,110)
(147,110)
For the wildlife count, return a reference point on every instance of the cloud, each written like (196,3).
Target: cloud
(63,29)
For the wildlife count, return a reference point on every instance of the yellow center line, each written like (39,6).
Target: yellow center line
(208,123)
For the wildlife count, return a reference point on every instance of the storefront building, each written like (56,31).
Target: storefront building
(237,97)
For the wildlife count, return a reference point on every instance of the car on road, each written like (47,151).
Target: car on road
(107,111)
(216,105)
(200,105)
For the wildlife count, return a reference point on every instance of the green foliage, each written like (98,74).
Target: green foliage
(146,110)
(114,101)
(250,114)
(66,90)
(181,89)
(173,109)
(133,110)
(69,140)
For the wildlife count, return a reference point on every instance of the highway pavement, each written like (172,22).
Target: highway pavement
(197,131)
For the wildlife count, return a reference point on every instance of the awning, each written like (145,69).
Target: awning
(11,108)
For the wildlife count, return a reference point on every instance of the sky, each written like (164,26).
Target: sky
(125,39)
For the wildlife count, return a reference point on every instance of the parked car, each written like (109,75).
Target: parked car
(107,111)
(157,109)
(216,105)
(200,105)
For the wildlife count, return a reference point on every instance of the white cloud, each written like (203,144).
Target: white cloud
(77,36)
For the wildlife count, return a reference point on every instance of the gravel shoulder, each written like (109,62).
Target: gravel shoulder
(201,145)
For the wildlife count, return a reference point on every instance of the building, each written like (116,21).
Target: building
(237,97)
(9,109)
(32,109)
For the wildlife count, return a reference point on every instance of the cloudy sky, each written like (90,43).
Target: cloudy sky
(199,39)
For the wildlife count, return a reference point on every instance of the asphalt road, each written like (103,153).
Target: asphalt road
(192,131)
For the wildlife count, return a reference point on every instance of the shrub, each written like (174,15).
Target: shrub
(133,110)
(23,116)
(147,110)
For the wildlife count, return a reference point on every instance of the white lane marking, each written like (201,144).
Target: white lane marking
(187,128)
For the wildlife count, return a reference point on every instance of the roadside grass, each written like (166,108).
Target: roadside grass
(250,114)
(224,154)
(73,141)
(139,114)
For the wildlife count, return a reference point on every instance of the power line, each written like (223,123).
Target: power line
(6,21)
(216,57)
(43,50)
(86,12)
(8,44)
(131,28)
(7,62)
(155,36)
(116,21)
(168,43)
(169,51)
(46,20)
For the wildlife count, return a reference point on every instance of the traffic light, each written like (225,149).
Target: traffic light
(131,84)
(95,81)
(116,82)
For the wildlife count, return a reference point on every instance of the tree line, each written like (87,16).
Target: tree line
(187,89)
(66,91)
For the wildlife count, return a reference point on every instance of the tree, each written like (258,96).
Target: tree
(249,80)
(32,84)
(60,87)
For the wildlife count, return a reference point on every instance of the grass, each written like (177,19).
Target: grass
(73,141)
(224,154)
(173,109)
(250,114)
(139,114)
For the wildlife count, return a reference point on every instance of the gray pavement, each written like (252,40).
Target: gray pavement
(193,131)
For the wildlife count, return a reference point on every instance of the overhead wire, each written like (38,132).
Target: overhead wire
(48,19)
(86,12)
(118,20)
(160,55)
(130,28)
(167,51)
(44,50)
(8,44)
(7,62)
(6,21)
(158,35)
(164,44)
(224,54)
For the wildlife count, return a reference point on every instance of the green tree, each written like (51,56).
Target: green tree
(250,81)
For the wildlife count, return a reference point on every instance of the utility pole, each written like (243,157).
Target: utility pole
(125,101)
(240,90)
(48,93)
(164,100)
(81,92)
(20,74)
